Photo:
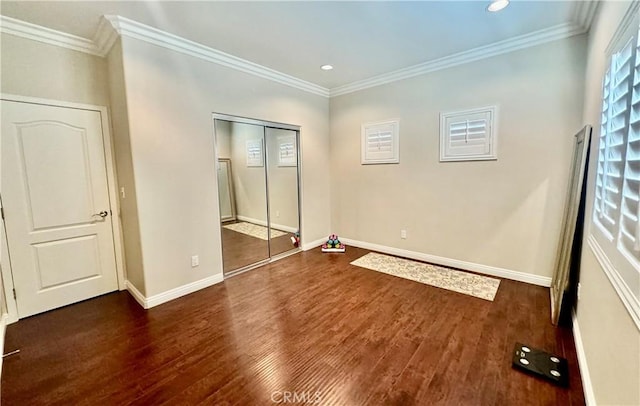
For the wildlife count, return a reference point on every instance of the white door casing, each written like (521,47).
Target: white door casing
(54,184)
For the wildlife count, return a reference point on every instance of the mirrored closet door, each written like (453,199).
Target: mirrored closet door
(282,178)
(258,190)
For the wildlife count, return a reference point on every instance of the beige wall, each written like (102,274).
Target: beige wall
(3,260)
(223,138)
(170,98)
(126,179)
(610,338)
(3,301)
(249,182)
(503,213)
(31,68)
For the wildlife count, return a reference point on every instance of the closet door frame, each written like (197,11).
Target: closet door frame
(265,124)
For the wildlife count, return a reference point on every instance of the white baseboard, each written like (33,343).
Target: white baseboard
(164,297)
(3,328)
(589,396)
(137,295)
(313,244)
(264,224)
(453,263)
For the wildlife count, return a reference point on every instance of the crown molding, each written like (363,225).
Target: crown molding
(497,48)
(112,26)
(38,33)
(105,36)
(583,13)
(132,29)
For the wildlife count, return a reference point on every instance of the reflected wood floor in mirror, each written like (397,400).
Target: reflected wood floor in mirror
(239,250)
(311,324)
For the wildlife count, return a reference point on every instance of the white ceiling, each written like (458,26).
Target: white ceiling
(360,39)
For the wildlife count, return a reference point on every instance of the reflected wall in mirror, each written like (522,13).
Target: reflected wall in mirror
(245,238)
(282,174)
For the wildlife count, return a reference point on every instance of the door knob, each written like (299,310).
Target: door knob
(102,214)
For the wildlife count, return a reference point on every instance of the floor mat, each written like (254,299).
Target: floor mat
(254,230)
(446,278)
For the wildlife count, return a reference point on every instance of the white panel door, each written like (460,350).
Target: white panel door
(56,202)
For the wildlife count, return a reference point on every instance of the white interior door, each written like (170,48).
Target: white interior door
(56,203)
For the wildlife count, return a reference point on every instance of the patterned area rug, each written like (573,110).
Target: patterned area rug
(254,230)
(446,278)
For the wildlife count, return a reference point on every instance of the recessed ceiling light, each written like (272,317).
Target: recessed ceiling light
(497,5)
(326,67)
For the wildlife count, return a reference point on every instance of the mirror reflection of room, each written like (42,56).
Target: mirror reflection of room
(282,171)
(244,236)
(258,187)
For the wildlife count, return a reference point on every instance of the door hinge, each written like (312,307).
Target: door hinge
(14,294)
(2,212)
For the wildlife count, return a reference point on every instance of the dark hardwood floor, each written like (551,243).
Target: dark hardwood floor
(239,250)
(310,324)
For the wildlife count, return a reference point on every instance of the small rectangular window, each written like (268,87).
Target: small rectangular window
(380,143)
(468,135)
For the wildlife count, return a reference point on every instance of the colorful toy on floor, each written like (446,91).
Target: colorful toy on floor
(295,239)
(333,244)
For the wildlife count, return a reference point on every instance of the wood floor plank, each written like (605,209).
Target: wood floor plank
(310,325)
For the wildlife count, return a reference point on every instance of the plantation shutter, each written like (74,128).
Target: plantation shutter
(629,238)
(380,142)
(600,177)
(254,153)
(615,241)
(468,135)
(615,118)
(287,150)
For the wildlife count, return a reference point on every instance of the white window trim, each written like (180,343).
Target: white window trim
(616,262)
(620,286)
(492,155)
(395,137)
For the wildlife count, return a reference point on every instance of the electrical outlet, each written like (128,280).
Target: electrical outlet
(403,234)
(195,261)
(578,290)
(277,213)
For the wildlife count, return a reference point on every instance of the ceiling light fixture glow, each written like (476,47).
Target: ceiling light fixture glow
(497,5)
(326,67)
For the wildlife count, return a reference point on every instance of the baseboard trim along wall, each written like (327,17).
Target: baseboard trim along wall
(313,244)
(137,295)
(453,263)
(263,223)
(164,297)
(589,396)
(3,328)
